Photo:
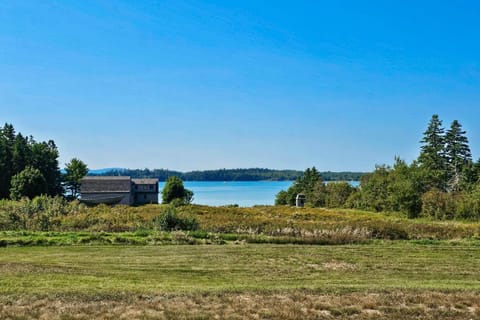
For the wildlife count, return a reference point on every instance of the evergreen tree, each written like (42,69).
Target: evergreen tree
(7,138)
(310,184)
(18,152)
(458,155)
(432,156)
(45,158)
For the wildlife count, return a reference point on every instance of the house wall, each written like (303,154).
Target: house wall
(145,198)
(127,198)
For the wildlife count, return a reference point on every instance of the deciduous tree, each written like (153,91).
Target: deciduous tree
(174,190)
(75,170)
(28,183)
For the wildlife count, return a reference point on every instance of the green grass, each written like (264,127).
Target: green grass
(173,269)
(394,280)
(114,263)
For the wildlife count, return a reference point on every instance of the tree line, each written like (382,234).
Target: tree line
(29,168)
(251,174)
(443,182)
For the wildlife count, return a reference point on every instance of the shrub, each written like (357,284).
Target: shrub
(438,205)
(468,206)
(170,220)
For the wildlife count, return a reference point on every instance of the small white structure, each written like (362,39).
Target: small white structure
(300,201)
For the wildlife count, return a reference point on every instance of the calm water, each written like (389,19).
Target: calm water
(243,193)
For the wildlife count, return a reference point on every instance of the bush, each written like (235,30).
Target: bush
(438,205)
(468,206)
(170,220)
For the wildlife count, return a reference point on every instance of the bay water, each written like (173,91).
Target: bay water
(242,193)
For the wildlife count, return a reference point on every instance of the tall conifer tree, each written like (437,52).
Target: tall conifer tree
(457,153)
(432,155)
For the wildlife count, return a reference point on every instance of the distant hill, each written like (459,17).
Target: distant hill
(251,174)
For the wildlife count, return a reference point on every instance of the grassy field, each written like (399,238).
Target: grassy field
(395,280)
(63,260)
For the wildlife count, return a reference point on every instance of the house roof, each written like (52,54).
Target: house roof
(106,184)
(145,181)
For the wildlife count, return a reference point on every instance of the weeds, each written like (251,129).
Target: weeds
(257,224)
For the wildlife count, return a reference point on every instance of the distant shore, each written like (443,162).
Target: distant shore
(220,175)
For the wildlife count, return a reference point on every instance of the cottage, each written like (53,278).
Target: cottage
(118,190)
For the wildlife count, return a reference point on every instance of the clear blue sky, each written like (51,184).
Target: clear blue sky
(185,85)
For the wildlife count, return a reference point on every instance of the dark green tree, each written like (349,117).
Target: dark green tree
(75,170)
(20,153)
(458,155)
(45,158)
(432,155)
(7,140)
(28,183)
(281,198)
(310,184)
(174,191)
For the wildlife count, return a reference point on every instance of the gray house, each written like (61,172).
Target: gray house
(145,191)
(118,190)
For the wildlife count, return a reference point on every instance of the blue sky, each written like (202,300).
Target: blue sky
(186,85)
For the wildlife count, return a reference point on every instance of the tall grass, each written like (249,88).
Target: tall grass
(307,225)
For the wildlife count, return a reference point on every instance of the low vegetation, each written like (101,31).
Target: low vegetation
(261,224)
(394,281)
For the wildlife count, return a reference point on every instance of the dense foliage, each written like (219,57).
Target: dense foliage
(75,170)
(253,174)
(175,193)
(443,183)
(169,220)
(23,158)
(28,183)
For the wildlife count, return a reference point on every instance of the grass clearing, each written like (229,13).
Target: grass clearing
(114,263)
(186,269)
(398,280)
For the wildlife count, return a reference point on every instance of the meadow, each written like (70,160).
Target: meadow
(66,261)
(397,280)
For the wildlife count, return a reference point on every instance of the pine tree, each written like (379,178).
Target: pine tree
(7,139)
(457,153)
(432,155)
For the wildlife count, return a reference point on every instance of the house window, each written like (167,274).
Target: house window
(151,187)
